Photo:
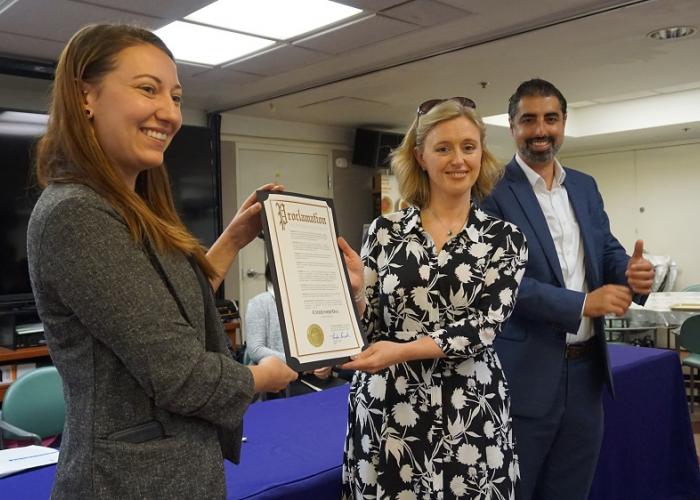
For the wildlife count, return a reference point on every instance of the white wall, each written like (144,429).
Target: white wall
(651,193)
(351,185)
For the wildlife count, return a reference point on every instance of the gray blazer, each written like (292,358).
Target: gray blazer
(135,341)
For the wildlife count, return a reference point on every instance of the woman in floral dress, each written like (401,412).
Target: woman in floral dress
(429,410)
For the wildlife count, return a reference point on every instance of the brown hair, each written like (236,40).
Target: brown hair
(414,184)
(70,153)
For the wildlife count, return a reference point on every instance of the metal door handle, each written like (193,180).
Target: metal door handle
(252,273)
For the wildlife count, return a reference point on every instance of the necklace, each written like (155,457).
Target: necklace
(450,233)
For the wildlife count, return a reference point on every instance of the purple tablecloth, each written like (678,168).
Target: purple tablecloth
(648,451)
(294,446)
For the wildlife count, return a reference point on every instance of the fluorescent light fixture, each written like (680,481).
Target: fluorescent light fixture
(22,123)
(6,4)
(279,19)
(631,114)
(23,117)
(497,120)
(201,44)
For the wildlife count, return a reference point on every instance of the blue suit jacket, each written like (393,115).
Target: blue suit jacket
(532,344)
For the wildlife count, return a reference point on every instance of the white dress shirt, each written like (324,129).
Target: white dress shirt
(566,235)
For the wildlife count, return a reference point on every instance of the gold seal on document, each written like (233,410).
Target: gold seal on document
(315,335)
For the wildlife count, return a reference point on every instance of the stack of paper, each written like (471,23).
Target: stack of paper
(666,309)
(27,457)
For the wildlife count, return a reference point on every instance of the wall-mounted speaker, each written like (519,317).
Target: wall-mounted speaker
(372,147)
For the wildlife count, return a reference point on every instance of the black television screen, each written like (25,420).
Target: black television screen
(194,176)
(18,133)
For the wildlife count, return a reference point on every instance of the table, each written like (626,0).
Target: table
(629,324)
(293,451)
(648,450)
(294,446)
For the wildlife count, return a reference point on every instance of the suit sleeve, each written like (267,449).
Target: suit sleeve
(88,260)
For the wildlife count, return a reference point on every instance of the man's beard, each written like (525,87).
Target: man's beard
(538,157)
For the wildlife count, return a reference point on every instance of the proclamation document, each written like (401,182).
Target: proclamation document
(319,322)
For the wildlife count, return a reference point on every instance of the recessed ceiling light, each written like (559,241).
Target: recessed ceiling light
(279,19)
(672,33)
(202,44)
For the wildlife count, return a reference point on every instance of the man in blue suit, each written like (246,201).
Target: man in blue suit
(553,347)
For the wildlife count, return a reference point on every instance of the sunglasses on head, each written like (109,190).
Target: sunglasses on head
(431,103)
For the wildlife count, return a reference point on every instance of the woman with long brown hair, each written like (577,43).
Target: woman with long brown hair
(153,398)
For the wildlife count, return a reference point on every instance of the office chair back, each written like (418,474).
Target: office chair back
(690,334)
(34,403)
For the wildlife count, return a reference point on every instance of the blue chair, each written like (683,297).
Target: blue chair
(690,340)
(692,288)
(33,407)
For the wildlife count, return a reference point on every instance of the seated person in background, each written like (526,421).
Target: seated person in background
(264,338)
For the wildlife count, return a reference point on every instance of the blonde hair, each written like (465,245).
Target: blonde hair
(413,181)
(69,152)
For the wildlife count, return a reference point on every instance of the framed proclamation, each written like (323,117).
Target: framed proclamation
(318,319)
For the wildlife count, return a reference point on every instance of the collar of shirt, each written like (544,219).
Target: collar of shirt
(559,215)
(409,219)
(536,180)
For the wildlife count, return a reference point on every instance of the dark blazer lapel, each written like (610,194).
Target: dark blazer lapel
(577,199)
(525,196)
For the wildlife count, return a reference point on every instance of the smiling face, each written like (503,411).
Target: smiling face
(451,156)
(136,109)
(538,129)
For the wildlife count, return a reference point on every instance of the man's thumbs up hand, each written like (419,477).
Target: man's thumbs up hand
(640,272)
(638,250)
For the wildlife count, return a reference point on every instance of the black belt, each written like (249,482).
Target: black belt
(576,351)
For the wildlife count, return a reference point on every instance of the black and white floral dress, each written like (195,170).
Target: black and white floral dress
(436,429)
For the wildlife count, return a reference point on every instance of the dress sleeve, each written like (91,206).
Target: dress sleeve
(369,254)
(494,302)
(90,265)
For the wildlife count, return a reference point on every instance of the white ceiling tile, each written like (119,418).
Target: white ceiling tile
(425,12)
(370,5)
(30,47)
(63,18)
(167,9)
(279,60)
(190,69)
(679,88)
(351,36)
(227,76)
(207,89)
